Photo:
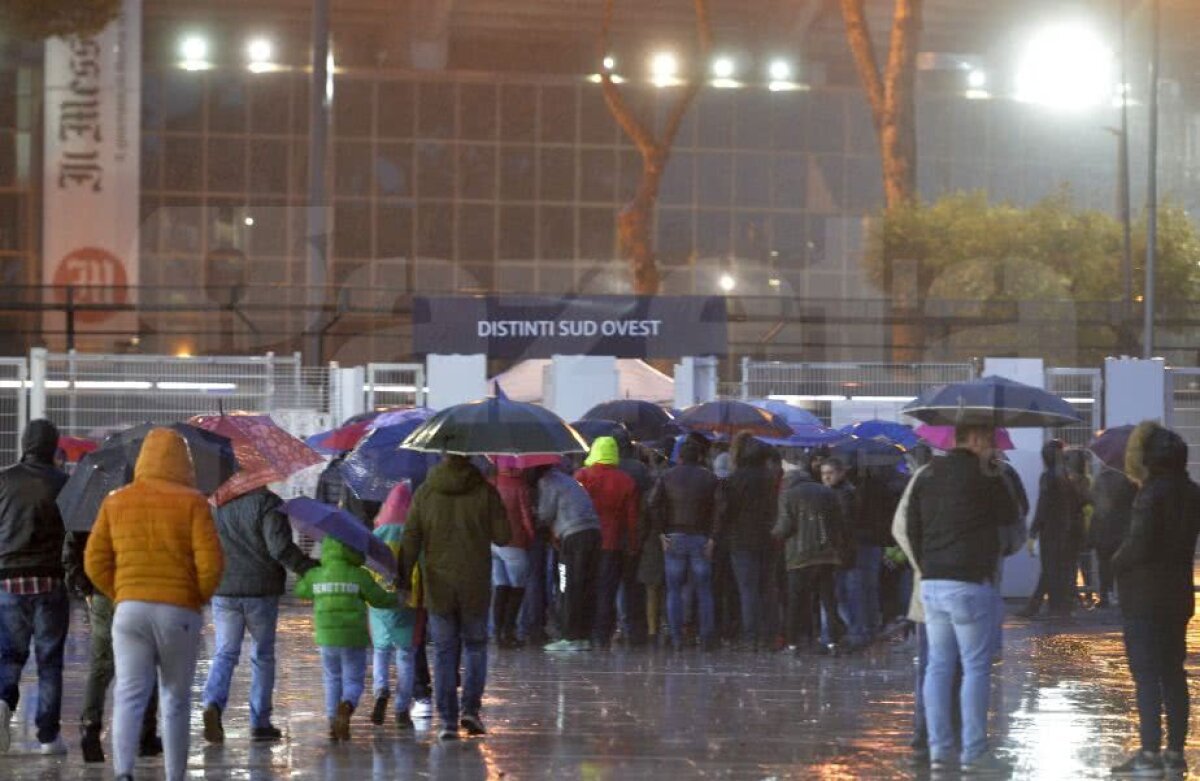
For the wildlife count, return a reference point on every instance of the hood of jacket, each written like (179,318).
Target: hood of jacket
(454,476)
(165,456)
(39,442)
(334,550)
(1164,453)
(604,451)
(1136,465)
(395,508)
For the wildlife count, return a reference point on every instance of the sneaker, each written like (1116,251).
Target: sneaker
(1174,762)
(341,722)
(404,722)
(422,708)
(986,764)
(943,765)
(1143,764)
(559,646)
(56,747)
(269,732)
(149,746)
(473,725)
(448,733)
(213,731)
(379,712)
(89,744)
(5,724)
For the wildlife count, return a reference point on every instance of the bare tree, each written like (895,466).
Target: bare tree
(635,222)
(890,93)
(37,19)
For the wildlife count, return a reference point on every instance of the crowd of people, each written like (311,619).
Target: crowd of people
(741,546)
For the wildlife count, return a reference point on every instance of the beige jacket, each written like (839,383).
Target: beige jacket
(916,611)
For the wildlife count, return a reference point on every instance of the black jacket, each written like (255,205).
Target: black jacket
(1154,564)
(878,492)
(955,514)
(1058,520)
(684,501)
(77,580)
(1112,508)
(747,502)
(31,528)
(256,539)
(810,523)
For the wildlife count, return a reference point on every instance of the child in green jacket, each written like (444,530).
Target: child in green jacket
(341,590)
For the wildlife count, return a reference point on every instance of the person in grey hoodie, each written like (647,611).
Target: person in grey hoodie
(256,539)
(566,508)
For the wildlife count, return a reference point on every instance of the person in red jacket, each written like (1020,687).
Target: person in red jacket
(615,497)
(510,564)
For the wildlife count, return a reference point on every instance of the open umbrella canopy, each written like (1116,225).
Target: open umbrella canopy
(590,430)
(890,430)
(731,417)
(942,437)
(378,462)
(265,453)
(860,454)
(807,436)
(397,416)
(340,439)
(643,419)
(793,415)
(75,448)
(318,520)
(496,427)
(991,401)
(1110,445)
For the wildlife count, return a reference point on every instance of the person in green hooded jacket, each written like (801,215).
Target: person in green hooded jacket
(341,589)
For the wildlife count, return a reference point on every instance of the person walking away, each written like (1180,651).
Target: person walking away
(614,496)
(455,519)
(1154,567)
(954,521)
(1057,524)
(877,494)
(510,564)
(256,540)
(746,511)
(155,552)
(851,599)
(682,508)
(101,670)
(392,628)
(1112,502)
(34,607)
(1075,461)
(811,527)
(632,607)
(566,507)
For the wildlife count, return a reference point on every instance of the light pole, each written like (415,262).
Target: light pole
(317,243)
(1152,182)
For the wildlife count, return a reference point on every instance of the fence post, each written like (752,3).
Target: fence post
(269,390)
(37,385)
(70,315)
(745,377)
(422,396)
(22,401)
(370,378)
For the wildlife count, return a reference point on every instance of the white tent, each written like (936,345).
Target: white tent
(636,379)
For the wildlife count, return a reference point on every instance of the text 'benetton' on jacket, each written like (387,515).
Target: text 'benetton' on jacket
(684,501)
(155,539)
(810,522)
(341,590)
(256,539)
(31,528)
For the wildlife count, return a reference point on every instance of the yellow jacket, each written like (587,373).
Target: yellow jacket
(155,540)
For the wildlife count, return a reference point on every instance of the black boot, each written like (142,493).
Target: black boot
(500,615)
(90,744)
(515,597)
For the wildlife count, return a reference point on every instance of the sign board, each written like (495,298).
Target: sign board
(520,327)
(92,141)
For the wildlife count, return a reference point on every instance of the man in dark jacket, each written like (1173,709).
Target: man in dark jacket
(1058,527)
(957,511)
(632,604)
(682,509)
(1112,508)
(33,599)
(256,539)
(1154,568)
(849,581)
(455,518)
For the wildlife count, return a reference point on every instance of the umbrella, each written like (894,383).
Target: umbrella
(525,462)
(861,454)
(75,448)
(266,453)
(643,419)
(111,466)
(807,436)
(942,437)
(1109,446)
(731,417)
(340,439)
(318,520)
(378,462)
(398,416)
(496,427)
(590,430)
(795,416)
(872,429)
(991,401)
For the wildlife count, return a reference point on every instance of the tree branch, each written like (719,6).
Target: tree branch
(626,117)
(858,34)
(695,82)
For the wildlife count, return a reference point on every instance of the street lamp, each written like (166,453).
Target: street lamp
(1066,67)
(663,68)
(193,51)
(727,282)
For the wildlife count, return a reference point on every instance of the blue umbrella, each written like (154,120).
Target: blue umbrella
(318,520)
(795,416)
(860,454)
(378,463)
(807,436)
(991,401)
(873,429)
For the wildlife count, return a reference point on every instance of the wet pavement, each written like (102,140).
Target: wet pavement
(1062,709)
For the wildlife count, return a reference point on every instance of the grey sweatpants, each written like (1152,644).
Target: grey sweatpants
(150,638)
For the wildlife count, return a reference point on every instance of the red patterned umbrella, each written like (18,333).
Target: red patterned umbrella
(265,452)
(75,448)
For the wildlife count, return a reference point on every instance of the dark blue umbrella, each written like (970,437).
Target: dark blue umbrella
(590,430)
(643,419)
(732,417)
(862,454)
(378,463)
(888,429)
(318,520)
(807,436)
(991,401)
(795,416)
(496,427)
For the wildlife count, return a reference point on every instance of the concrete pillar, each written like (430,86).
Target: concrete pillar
(351,398)
(1134,390)
(695,381)
(576,383)
(455,379)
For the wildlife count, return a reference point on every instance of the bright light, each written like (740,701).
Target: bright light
(1067,67)
(259,50)
(723,67)
(197,386)
(775,282)
(727,282)
(780,70)
(194,49)
(663,68)
(248,222)
(977,79)
(113,385)
(609,63)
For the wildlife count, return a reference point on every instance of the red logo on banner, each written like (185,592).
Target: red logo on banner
(97,277)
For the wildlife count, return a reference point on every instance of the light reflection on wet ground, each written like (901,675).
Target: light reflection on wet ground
(1062,709)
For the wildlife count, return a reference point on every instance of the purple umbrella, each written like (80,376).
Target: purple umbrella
(317,520)
(1110,445)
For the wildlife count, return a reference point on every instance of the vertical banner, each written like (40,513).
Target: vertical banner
(91,151)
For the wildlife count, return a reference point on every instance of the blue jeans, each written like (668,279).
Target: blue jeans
(684,557)
(860,594)
(748,568)
(381,673)
(531,621)
(961,624)
(452,632)
(920,741)
(344,671)
(42,619)
(232,618)
(510,567)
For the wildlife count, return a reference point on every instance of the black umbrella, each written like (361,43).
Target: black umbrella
(991,401)
(591,430)
(643,419)
(731,417)
(496,427)
(111,467)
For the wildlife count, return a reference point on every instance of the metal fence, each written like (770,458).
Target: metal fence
(1184,409)
(14,399)
(1084,389)
(395,384)
(827,382)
